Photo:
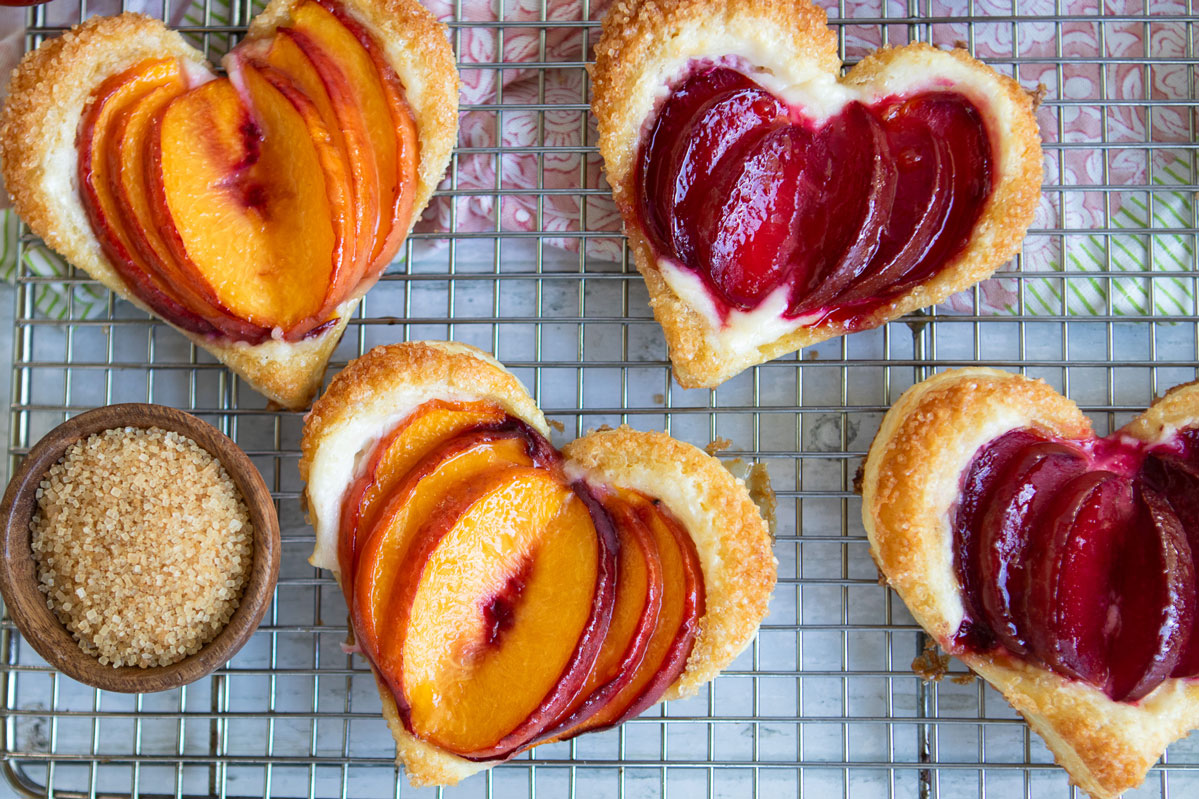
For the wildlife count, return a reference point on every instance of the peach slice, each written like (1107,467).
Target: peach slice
(127,148)
(115,97)
(394,457)
(678,621)
(639,589)
(320,78)
(244,202)
(390,125)
(501,611)
(338,183)
(414,500)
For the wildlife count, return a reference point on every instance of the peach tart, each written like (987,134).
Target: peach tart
(1059,566)
(251,211)
(771,203)
(506,593)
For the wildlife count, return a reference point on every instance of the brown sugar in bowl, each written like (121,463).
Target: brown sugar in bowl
(26,604)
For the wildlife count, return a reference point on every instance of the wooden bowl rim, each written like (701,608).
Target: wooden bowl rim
(26,605)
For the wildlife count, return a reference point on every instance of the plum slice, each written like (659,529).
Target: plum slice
(856,216)
(1177,478)
(1156,600)
(924,183)
(1021,496)
(754,222)
(977,486)
(754,195)
(1070,577)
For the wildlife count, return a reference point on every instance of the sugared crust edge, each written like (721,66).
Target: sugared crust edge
(629,49)
(368,381)
(1105,746)
(730,536)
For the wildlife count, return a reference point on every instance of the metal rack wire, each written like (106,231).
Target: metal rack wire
(825,703)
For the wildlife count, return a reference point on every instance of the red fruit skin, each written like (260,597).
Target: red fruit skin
(924,183)
(753,196)
(1178,479)
(978,485)
(1070,587)
(1156,600)
(864,151)
(1022,495)
(1083,559)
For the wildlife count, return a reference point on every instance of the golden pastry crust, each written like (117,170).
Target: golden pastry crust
(646,45)
(911,482)
(731,537)
(50,90)
(370,382)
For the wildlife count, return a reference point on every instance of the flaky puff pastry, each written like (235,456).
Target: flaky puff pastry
(375,392)
(910,485)
(49,92)
(648,46)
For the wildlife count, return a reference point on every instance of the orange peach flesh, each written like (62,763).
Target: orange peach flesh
(634,620)
(458,596)
(393,458)
(307,176)
(337,181)
(244,202)
(682,606)
(112,102)
(325,84)
(414,501)
(388,122)
(492,625)
(127,170)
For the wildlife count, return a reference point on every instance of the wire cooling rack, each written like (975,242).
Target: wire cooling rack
(1101,303)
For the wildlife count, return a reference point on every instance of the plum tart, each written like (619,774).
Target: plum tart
(506,593)
(771,204)
(1058,565)
(250,211)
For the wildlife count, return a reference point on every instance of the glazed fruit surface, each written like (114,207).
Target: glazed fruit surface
(1080,555)
(253,205)
(756,198)
(501,603)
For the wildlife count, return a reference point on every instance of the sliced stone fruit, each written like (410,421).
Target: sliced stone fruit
(1070,590)
(389,124)
(243,201)
(127,148)
(1156,600)
(320,78)
(1021,496)
(427,427)
(639,591)
(118,239)
(415,498)
(682,606)
(503,606)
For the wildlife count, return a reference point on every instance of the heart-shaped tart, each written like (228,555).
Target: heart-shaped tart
(1058,565)
(506,593)
(250,211)
(771,204)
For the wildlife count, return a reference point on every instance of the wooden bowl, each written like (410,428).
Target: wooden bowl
(18,570)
